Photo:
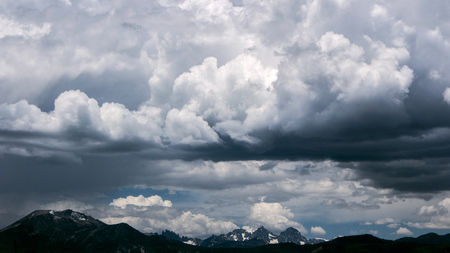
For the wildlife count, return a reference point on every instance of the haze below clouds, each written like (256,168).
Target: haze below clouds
(205,116)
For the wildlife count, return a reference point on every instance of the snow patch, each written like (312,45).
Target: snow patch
(273,241)
(52,212)
(78,216)
(190,242)
(249,229)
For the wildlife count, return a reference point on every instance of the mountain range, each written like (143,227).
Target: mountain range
(70,231)
(241,238)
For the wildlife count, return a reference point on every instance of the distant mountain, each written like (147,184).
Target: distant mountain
(265,235)
(316,240)
(238,238)
(238,235)
(365,239)
(430,238)
(292,235)
(369,243)
(241,238)
(170,235)
(69,231)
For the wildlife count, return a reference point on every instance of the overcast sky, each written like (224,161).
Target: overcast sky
(200,116)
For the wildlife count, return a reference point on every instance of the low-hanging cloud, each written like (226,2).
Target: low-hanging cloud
(186,224)
(274,216)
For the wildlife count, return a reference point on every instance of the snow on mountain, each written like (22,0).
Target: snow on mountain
(245,238)
(170,235)
(238,235)
(292,235)
(264,234)
(45,220)
(317,240)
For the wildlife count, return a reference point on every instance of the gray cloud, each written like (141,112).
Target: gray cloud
(342,204)
(268,166)
(408,176)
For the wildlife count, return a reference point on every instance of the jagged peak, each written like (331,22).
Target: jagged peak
(291,230)
(168,234)
(262,228)
(239,230)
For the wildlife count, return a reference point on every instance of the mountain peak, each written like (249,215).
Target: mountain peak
(292,235)
(261,229)
(45,221)
(47,230)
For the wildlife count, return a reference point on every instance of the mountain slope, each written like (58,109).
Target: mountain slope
(430,238)
(69,231)
(45,228)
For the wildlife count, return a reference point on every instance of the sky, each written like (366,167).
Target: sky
(197,116)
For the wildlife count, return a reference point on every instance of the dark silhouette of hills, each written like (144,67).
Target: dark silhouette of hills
(69,231)
(170,235)
(430,238)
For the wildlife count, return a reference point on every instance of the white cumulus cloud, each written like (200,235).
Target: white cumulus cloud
(141,201)
(318,231)
(439,216)
(185,224)
(193,224)
(274,216)
(403,231)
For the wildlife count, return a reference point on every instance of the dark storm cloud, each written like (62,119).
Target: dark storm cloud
(413,176)
(60,174)
(268,166)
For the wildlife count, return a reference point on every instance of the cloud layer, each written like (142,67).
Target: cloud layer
(235,101)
